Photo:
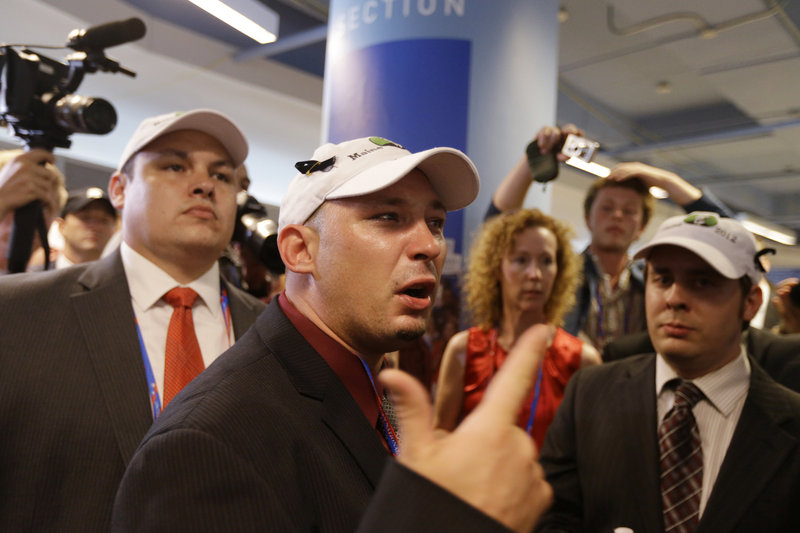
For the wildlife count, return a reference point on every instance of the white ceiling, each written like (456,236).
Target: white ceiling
(732,120)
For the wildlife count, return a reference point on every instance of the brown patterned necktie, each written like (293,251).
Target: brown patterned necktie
(391,416)
(681,462)
(184,361)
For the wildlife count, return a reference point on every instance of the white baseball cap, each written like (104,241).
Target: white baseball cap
(363,166)
(723,243)
(208,121)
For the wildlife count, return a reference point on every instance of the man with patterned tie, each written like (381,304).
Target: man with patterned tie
(91,353)
(696,437)
(290,430)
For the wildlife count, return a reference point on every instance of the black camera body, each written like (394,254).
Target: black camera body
(256,231)
(37,101)
(36,92)
(794,295)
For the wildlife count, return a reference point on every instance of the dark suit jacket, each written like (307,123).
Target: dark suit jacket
(601,456)
(779,355)
(269,439)
(73,398)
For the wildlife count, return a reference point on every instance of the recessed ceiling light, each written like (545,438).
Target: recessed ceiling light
(245,24)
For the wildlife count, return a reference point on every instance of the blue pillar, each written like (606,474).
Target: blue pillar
(477,75)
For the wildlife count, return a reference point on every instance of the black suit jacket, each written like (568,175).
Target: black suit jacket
(601,456)
(73,397)
(779,355)
(269,439)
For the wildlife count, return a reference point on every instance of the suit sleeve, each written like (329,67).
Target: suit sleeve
(405,501)
(560,462)
(186,480)
(709,202)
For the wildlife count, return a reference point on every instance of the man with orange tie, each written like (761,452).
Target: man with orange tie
(92,353)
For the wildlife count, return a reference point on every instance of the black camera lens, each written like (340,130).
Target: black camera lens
(84,114)
(261,236)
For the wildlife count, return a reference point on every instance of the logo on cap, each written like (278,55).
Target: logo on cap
(380,141)
(701,220)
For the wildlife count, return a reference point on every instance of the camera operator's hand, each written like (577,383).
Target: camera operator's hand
(680,191)
(551,138)
(510,194)
(790,313)
(25,179)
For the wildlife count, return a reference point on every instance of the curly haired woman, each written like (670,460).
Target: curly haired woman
(522,271)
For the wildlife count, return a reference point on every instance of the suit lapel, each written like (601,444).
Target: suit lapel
(638,425)
(103,309)
(758,447)
(312,377)
(342,414)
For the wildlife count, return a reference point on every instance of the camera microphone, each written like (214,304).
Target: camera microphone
(106,35)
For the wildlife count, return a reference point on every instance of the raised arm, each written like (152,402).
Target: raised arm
(680,191)
(510,194)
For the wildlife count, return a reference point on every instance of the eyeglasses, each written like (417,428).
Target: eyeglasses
(759,265)
(307,167)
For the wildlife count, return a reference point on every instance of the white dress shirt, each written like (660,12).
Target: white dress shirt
(62,261)
(148,284)
(716,414)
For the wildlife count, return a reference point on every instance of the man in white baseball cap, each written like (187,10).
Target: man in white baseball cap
(696,437)
(97,349)
(292,426)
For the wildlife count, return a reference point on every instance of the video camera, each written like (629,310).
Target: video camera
(37,102)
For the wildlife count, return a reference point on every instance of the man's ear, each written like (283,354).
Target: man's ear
(116,189)
(298,247)
(752,302)
(60,222)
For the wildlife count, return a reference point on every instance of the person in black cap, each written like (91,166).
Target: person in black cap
(87,222)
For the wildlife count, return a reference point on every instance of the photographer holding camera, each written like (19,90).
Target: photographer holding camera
(26,177)
(610,300)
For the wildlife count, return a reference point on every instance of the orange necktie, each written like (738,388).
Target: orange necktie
(183,358)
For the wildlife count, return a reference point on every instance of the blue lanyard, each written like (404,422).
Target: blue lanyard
(152,384)
(388,430)
(536,387)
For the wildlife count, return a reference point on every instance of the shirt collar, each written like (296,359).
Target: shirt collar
(148,283)
(722,387)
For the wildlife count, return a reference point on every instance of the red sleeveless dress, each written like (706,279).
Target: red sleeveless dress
(485,356)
